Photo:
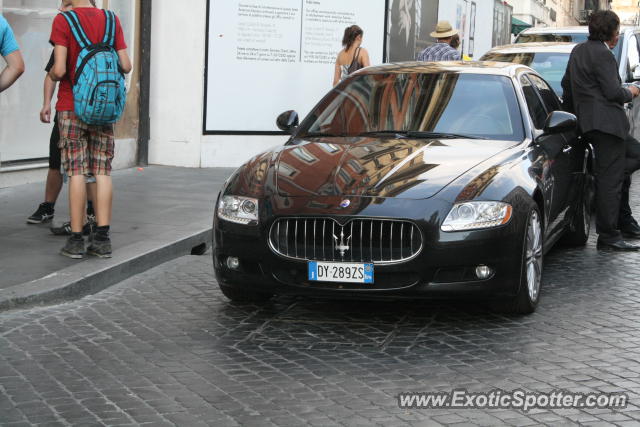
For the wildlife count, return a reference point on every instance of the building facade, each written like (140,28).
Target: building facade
(177,136)
(24,141)
(535,12)
(569,12)
(217,86)
(556,13)
(628,11)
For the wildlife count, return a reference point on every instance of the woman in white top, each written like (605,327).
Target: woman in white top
(352,57)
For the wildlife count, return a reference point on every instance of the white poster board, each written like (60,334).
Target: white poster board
(268,56)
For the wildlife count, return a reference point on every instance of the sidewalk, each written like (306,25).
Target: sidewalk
(159,213)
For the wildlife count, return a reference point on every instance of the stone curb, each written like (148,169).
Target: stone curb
(94,275)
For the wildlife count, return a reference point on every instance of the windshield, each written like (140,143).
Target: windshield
(564,37)
(551,66)
(474,105)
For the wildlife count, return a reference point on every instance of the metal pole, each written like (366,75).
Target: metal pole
(144,132)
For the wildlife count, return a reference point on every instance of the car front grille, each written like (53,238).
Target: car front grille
(381,241)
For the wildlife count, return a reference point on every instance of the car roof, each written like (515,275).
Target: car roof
(583,29)
(471,67)
(534,47)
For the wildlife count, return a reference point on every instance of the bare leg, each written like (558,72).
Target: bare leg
(77,202)
(104,199)
(53,186)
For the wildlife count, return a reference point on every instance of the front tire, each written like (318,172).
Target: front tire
(528,295)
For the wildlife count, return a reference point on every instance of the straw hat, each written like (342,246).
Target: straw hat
(443,30)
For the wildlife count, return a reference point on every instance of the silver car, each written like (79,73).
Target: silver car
(627,51)
(550,58)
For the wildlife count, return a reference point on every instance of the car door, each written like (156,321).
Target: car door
(560,151)
(632,60)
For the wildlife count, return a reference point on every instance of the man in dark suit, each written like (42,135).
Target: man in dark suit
(593,90)
(626,222)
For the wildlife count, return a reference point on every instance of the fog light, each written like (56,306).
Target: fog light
(483,272)
(233,263)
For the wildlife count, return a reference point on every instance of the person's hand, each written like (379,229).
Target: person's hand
(45,114)
(635,91)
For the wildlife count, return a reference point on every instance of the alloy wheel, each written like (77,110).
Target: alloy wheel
(534,256)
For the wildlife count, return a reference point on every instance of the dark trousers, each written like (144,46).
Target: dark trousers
(54,151)
(609,173)
(632,152)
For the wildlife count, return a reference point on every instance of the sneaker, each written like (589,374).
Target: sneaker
(65,229)
(100,248)
(44,213)
(73,248)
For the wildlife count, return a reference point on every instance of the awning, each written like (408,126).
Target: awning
(518,26)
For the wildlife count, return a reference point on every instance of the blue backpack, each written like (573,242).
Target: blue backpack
(99,90)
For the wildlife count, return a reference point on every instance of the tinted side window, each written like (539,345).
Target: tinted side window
(548,96)
(534,104)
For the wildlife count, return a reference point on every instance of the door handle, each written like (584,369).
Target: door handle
(567,148)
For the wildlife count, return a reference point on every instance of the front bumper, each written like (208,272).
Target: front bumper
(445,266)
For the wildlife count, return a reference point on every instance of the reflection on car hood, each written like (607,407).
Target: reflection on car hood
(355,166)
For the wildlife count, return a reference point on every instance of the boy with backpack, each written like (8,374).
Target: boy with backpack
(89,59)
(46,210)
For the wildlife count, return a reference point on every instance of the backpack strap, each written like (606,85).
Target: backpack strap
(76,29)
(109,28)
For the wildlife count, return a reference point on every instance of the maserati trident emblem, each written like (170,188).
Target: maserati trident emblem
(345,203)
(342,245)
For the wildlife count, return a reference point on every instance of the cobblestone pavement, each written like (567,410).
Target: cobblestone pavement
(165,347)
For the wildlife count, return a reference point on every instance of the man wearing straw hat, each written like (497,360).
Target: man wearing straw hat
(441,50)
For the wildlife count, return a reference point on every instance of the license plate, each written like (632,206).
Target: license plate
(340,272)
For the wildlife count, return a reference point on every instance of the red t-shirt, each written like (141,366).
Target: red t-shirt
(93,22)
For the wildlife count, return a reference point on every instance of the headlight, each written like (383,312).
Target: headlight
(474,215)
(241,210)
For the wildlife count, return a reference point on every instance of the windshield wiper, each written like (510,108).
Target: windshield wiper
(442,135)
(396,133)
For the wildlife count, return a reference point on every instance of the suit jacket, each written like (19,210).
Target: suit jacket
(593,90)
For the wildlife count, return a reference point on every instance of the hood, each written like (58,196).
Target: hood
(373,167)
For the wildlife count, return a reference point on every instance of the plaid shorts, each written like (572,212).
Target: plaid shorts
(85,149)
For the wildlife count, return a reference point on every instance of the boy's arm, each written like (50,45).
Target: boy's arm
(59,69)
(13,70)
(125,61)
(49,88)
(121,47)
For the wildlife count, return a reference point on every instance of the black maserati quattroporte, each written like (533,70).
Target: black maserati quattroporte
(408,181)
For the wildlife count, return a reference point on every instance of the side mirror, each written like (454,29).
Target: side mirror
(560,121)
(287,121)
